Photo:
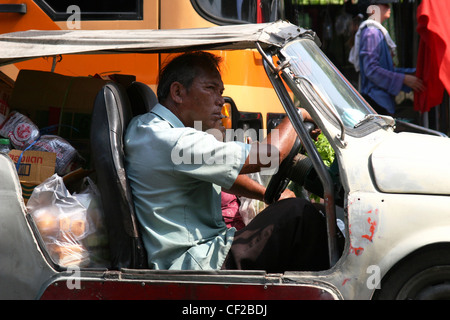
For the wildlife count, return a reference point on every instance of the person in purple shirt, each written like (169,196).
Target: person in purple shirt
(380,80)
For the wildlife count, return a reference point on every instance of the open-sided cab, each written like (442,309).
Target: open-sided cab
(390,189)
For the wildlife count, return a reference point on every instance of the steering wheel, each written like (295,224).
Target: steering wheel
(279,180)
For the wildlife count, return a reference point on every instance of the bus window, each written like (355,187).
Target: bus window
(93,10)
(239,11)
(243,11)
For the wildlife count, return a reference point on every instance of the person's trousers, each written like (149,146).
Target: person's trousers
(379,109)
(289,235)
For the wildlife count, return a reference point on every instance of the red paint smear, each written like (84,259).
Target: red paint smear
(358,251)
(372,229)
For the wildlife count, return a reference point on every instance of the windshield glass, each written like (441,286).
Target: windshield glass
(309,62)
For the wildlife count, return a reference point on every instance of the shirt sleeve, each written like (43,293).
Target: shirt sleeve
(199,155)
(370,55)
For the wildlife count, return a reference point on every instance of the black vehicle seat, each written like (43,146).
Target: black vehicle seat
(110,117)
(142,98)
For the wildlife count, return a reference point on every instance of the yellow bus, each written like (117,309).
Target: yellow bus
(245,85)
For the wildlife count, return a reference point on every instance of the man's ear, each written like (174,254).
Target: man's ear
(177,92)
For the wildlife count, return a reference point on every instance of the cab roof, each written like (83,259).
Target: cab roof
(25,45)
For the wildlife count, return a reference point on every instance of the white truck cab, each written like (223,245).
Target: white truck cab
(394,186)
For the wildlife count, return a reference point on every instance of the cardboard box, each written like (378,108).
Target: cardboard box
(62,105)
(39,90)
(6,86)
(34,168)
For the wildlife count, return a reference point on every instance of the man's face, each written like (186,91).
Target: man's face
(385,11)
(379,12)
(203,101)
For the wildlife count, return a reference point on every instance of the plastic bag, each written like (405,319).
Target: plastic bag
(20,130)
(95,242)
(63,221)
(249,208)
(65,153)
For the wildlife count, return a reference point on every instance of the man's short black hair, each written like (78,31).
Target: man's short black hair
(183,69)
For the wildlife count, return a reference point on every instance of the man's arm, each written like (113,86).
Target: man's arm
(274,146)
(244,186)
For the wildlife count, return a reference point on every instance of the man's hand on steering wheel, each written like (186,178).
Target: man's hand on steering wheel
(279,181)
(286,194)
(314,131)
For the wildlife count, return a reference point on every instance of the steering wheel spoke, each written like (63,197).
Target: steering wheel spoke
(280,180)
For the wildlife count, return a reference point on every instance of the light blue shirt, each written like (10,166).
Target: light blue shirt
(176,174)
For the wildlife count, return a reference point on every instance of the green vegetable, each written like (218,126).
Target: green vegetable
(327,154)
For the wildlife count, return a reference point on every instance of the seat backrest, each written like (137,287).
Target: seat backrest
(142,98)
(110,117)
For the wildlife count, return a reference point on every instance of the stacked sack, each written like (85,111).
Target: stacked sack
(25,135)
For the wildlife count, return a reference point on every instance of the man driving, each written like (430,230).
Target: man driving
(177,171)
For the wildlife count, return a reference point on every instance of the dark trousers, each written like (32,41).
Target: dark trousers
(379,109)
(289,235)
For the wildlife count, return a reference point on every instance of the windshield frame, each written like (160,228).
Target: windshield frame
(321,170)
(314,97)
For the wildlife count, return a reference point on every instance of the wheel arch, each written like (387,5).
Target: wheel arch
(395,269)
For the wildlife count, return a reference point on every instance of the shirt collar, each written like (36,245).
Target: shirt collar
(167,115)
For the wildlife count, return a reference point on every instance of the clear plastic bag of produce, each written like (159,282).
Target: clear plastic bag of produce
(64,221)
(249,208)
(96,242)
